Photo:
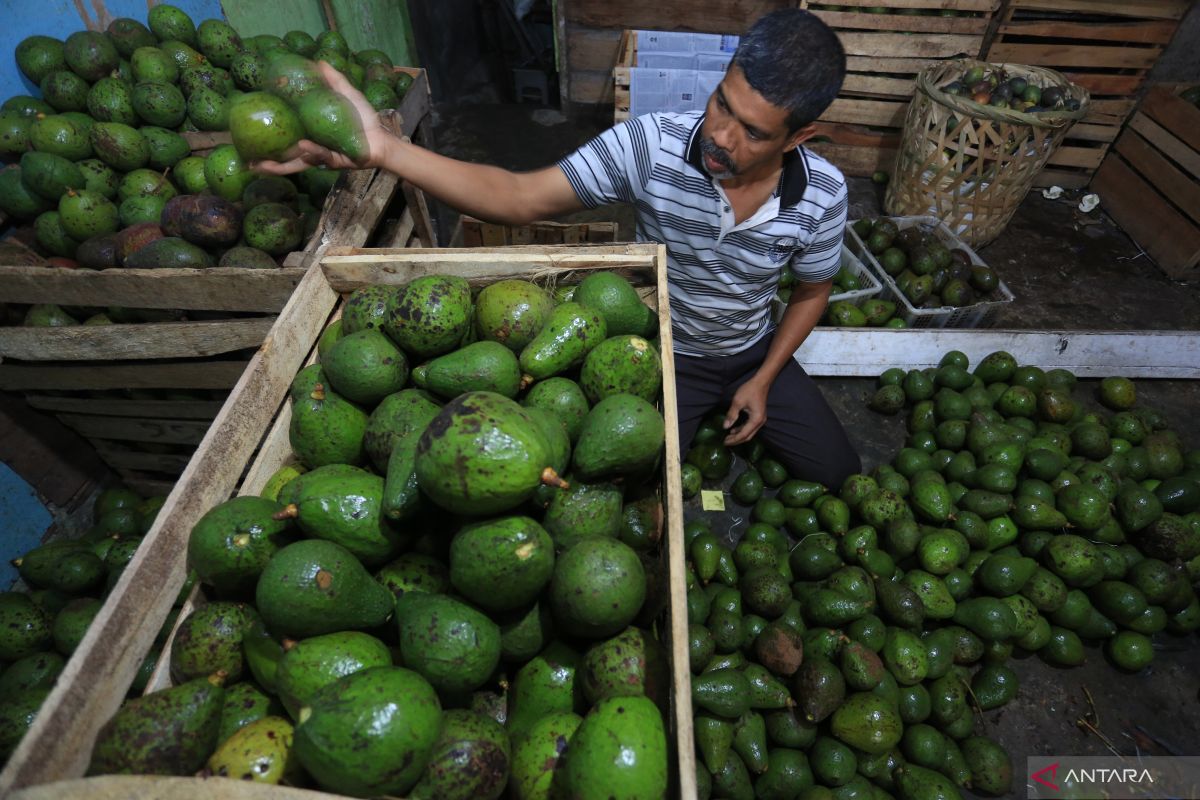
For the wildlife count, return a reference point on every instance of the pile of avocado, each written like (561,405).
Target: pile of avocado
(925,270)
(844,312)
(990,85)
(834,648)
(452,593)
(68,580)
(102,171)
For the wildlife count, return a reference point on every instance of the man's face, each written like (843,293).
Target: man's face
(743,132)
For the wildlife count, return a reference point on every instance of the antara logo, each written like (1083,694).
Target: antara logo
(1039,776)
(1047,776)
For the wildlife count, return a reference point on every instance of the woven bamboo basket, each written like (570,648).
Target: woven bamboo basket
(970,165)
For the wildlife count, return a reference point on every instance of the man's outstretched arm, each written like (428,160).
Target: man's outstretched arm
(481,190)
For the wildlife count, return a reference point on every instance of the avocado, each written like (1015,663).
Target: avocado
(145,183)
(169,252)
(152,65)
(49,176)
(502,564)
(619,749)
(210,640)
(134,238)
(368,307)
(431,316)
(583,509)
(17,199)
(120,146)
(137,210)
(195,74)
(86,214)
(537,754)
(564,398)
(313,663)
(17,713)
(331,120)
(273,228)
(819,688)
(218,41)
(38,56)
(171,22)
(622,364)
(618,302)
(511,312)
(630,664)
(291,77)
(71,624)
(470,760)
(570,333)
(226,173)
(244,703)
(51,235)
(261,751)
(65,566)
(480,366)
(248,71)
(59,135)
(170,732)
(14,133)
(325,427)
(90,55)
(346,509)
(621,435)
(205,220)
(544,685)
(380,94)
(414,572)
(316,586)
(263,126)
(364,367)
(598,588)
(455,647)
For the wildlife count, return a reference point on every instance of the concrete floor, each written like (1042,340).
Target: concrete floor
(1068,271)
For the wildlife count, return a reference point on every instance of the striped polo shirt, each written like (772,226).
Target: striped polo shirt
(722,275)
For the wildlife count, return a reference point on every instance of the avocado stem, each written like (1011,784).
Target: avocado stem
(287,512)
(318,392)
(551,478)
(527,380)
(218,678)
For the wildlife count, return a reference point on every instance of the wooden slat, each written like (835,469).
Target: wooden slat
(163,431)
(1175,185)
(592,87)
(91,687)
(196,375)
(731,16)
(903,22)
(149,462)
(1093,133)
(877,85)
(1082,157)
(1149,32)
(1064,179)
(1177,116)
(866,352)
(888,113)
(858,161)
(1168,143)
(158,787)
(909,66)
(1168,236)
(978,6)
(1156,9)
(1099,84)
(164,409)
(119,342)
(933,45)
(217,289)
(592,49)
(1072,54)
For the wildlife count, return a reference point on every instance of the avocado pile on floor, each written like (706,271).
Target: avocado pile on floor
(67,582)
(454,592)
(845,645)
(100,168)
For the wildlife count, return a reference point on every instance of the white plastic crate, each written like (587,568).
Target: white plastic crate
(976,315)
(868,283)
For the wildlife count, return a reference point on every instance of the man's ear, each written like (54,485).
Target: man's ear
(800,136)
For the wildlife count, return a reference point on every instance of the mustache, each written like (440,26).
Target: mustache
(710,149)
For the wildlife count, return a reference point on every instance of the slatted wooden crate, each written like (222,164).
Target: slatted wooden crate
(1150,181)
(884,53)
(247,443)
(144,394)
(471,232)
(1106,46)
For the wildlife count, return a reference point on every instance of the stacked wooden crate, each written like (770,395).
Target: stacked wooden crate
(1150,181)
(473,232)
(144,394)
(887,43)
(1106,46)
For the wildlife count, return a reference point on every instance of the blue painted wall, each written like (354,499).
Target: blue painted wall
(23,519)
(61,18)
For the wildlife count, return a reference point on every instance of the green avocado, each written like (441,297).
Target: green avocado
(91,55)
(160,103)
(583,509)
(210,640)
(619,750)
(616,299)
(233,541)
(121,147)
(621,435)
(562,397)
(49,176)
(225,173)
(86,214)
(310,664)
(453,646)
(331,121)
(469,761)
(598,587)
(273,228)
(570,333)
(50,234)
(625,364)
(365,367)
(263,126)
(502,564)
(347,509)
(431,315)
(511,312)
(171,22)
(65,566)
(397,422)
(325,428)
(169,252)
(38,56)
(218,41)
(71,624)
(24,627)
(60,135)
(151,64)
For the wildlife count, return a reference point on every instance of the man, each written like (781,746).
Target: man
(734,198)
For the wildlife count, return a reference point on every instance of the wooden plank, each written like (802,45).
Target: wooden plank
(591,87)
(1157,9)
(1062,178)
(119,342)
(1082,157)
(888,113)
(934,45)
(96,678)
(865,352)
(877,85)
(898,66)
(978,6)
(592,49)
(1100,84)
(1177,116)
(195,375)
(1167,142)
(858,161)
(732,16)
(1169,237)
(903,22)
(145,787)
(1093,133)
(216,289)
(149,462)
(163,431)
(1167,178)
(1073,54)
(1148,32)
(165,409)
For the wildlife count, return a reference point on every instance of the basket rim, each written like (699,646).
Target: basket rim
(928,81)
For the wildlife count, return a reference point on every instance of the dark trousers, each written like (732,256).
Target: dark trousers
(801,430)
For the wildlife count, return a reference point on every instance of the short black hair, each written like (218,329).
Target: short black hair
(795,61)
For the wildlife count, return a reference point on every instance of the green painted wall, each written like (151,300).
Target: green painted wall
(382,24)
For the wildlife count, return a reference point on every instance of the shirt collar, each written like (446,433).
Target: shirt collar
(793,181)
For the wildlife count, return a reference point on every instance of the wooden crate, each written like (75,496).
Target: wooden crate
(1106,46)
(144,394)
(1150,181)
(471,232)
(246,444)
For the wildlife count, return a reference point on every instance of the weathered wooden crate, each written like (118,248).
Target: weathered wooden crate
(1150,181)
(471,232)
(887,44)
(1106,46)
(246,444)
(144,394)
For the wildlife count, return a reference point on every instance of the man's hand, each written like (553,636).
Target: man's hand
(751,397)
(307,153)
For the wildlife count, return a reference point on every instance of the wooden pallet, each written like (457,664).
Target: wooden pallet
(860,131)
(1106,46)
(143,394)
(249,441)
(471,232)
(1150,181)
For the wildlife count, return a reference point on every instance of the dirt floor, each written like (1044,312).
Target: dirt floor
(1068,271)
